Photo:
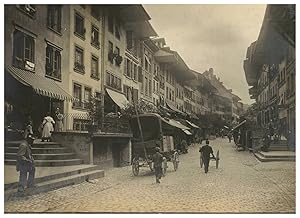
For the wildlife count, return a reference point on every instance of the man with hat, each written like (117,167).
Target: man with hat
(157,161)
(25,164)
(205,151)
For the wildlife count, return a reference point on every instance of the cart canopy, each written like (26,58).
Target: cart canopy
(150,125)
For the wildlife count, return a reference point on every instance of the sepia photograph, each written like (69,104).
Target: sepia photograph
(149,108)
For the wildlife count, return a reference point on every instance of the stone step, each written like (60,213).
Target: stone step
(58,156)
(263,158)
(55,184)
(278,148)
(35,145)
(279,144)
(41,150)
(14,185)
(279,154)
(50,162)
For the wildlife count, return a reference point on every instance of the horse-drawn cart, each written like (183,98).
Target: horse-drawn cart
(150,131)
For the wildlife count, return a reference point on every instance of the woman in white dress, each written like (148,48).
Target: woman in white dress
(47,125)
(59,120)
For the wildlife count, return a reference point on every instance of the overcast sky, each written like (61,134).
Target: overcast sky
(214,36)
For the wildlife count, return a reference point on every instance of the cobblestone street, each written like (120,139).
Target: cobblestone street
(241,184)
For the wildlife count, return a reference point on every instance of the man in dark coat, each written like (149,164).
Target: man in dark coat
(25,164)
(206,150)
(157,161)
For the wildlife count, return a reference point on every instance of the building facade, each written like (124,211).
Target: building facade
(270,70)
(36,62)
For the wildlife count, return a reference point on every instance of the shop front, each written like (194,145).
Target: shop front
(29,96)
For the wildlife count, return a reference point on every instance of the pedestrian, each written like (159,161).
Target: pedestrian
(235,137)
(59,120)
(205,151)
(25,164)
(47,127)
(28,129)
(183,146)
(157,161)
(229,137)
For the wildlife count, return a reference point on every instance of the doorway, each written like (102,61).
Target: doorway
(116,154)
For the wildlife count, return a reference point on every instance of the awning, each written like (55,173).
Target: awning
(143,29)
(192,124)
(164,57)
(177,124)
(174,108)
(187,132)
(194,116)
(41,85)
(239,125)
(188,88)
(118,98)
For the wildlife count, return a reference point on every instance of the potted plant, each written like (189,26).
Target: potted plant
(94,113)
(111,57)
(119,60)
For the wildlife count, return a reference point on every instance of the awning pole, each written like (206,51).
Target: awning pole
(50,105)
(140,128)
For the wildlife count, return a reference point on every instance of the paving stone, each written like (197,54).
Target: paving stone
(241,184)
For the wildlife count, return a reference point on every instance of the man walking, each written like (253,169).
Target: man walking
(25,164)
(229,135)
(205,151)
(157,161)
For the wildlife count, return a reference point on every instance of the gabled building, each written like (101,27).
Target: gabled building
(173,73)
(224,102)
(37,63)
(270,71)
(126,28)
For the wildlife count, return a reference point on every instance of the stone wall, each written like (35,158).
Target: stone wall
(111,151)
(81,143)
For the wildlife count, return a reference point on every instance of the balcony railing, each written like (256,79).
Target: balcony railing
(80,105)
(83,124)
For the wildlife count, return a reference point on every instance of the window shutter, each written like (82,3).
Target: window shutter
(135,95)
(140,74)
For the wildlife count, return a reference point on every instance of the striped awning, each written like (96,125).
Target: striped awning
(187,132)
(118,98)
(192,124)
(41,85)
(239,125)
(174,108)
(176,124)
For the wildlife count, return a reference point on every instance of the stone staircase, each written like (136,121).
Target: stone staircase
(275,156)
(56,180)
(44,154)
(56,166)
(281,145)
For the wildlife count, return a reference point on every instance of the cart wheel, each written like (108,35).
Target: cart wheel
(201,160)
(175,164)
(151,166)
(135,167)
(217,159)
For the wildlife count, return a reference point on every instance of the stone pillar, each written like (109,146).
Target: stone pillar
(91,153)
(129,151)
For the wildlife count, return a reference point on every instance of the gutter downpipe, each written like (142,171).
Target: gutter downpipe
(102,69)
